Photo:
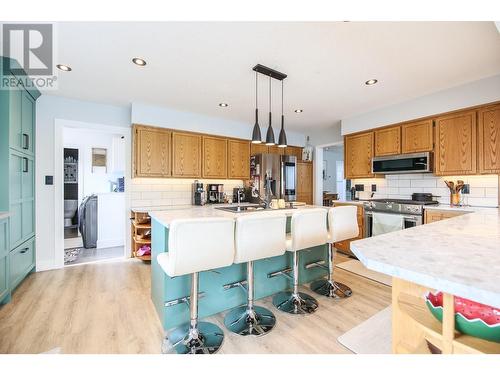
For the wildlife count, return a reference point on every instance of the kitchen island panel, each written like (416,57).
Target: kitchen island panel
(216,299)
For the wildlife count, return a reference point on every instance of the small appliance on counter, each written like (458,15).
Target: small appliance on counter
(215,193)
(199,195)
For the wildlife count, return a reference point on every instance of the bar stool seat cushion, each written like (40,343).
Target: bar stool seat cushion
(308,229)
(259,236)
(196,245)
(289,242)
(342,223)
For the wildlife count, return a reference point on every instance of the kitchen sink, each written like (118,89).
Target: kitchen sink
(241,208)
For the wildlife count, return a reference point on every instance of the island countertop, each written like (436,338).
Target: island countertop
(459,256)
(165,217)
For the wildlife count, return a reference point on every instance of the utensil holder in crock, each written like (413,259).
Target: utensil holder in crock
(455,199)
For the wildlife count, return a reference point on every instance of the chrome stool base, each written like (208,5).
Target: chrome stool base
(207,339)
(331,289)
(291,303)
(245,321)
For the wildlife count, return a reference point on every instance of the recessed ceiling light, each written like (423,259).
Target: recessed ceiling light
(64,68)
(371,82)
(223,105)
(299,110)
(139,61)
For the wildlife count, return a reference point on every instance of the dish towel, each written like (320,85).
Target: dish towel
(385,223)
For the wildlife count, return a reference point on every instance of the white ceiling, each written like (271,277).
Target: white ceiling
(194,66)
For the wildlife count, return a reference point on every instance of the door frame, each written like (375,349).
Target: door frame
(318,171)
(59,125)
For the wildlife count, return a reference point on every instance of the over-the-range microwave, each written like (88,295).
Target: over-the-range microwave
(408,163)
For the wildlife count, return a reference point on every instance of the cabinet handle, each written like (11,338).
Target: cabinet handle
(24,251)
(25,164)
(26,141)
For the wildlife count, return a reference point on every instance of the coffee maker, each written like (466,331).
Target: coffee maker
(199,196)
(215,193)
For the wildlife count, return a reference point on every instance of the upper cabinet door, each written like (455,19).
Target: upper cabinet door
(27,123)
(358,154)
(489,139)
(294,151)
(258,148)
(15,118)
(417,136)
(388,141)
(186,155)
(152,152)
(276,150)
(214,157)
(456,144)
(239,159)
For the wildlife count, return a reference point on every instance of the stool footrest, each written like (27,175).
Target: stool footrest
(182,300)
(318,263)
(236,284)
(284,272)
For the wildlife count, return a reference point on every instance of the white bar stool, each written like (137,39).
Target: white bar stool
(257,236)
(308,230)
(342,225)
(196,245)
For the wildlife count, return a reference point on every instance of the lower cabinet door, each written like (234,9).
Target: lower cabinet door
(4,277)
(22,261)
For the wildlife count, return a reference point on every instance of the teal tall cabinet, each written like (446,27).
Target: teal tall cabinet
(17,180)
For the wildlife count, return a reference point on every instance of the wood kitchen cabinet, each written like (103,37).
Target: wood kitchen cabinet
(305,182)
(345,246)
(294,151)
(489,139)
(238,159)
(186,155)
(455,152)
(214,157)
(276,150)
(152,152)
(417,136)
(258,148)
(388,141)
(358,154)
(431,216)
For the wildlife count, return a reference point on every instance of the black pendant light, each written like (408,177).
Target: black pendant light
(256,136)
(282,138)
(270,133)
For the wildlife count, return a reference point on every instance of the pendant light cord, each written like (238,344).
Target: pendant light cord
(282,103)
(256,90)
(270,93)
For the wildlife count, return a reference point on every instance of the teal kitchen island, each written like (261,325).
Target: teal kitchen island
(214,298)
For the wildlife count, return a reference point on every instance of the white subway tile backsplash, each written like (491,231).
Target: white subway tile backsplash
(151,192)
(423,183)
(483,188)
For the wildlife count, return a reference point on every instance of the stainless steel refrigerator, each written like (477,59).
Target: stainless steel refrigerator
(273,176)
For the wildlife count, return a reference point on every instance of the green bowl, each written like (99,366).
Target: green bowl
(472,327)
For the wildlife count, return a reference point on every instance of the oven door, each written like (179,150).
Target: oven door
(409,221)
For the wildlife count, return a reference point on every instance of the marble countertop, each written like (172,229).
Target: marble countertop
(165,217)
(460,256)
(4,215)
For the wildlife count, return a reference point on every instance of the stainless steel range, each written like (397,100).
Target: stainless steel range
(412,212)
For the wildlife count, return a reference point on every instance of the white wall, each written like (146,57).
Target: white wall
(327,136)
(97,180)
(48,110)
(479,92)
(173,119)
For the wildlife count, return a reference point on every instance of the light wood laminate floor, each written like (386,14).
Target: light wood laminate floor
(106,308)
